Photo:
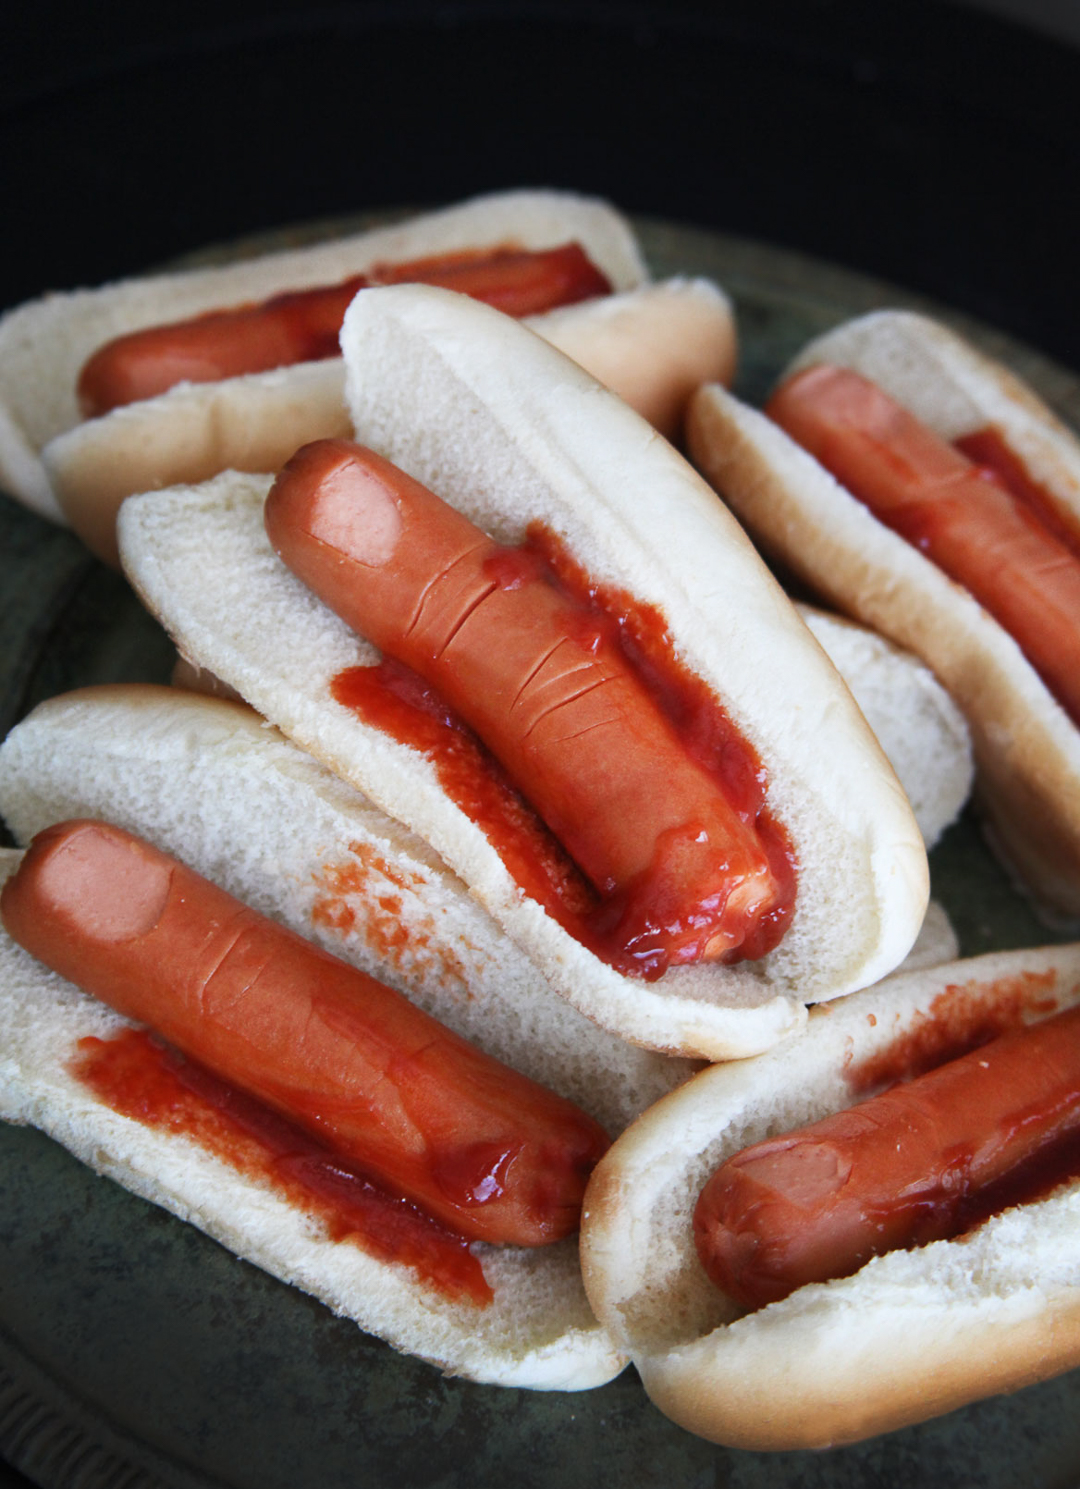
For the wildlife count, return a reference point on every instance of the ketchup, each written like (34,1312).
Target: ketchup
(142,1078)
(979,527)
(304,325)
(925,1160)
(393,698)
(962,1018)
(988,449)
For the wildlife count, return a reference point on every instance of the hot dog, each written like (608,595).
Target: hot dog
(511,434)
(912,1165)
(493,1156)
(209,782)
(547,691)
(1015,690)
(240,324)
(653,345)
(961,515)
(917,724)
(190,773)
(304,325)
(912,1332)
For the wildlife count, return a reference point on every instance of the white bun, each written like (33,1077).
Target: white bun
(510,431)
(1027,751)
(211,783)
(916,722)
(653,346)
(910,1336)
(44,343)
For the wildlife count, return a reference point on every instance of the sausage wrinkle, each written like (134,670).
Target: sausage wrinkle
(551,710)
(440,613)
(533,671)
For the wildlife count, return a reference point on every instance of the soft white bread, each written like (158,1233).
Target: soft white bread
(910,1336)
(511,432)
(538,1332)
(917,724)
(209,782)
(44,343)
(652,345)
(1027,751)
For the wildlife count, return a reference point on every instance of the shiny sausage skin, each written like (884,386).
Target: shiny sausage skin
(961,515)
(540,681)
(478,1146)
(902,1169)
(304,325)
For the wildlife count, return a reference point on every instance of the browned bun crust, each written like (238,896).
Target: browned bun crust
(1027,751)
(910,1336)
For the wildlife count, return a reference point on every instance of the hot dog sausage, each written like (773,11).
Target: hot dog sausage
(303,326)
(542,683)
(481,1148)
(909,1166)
(959,514)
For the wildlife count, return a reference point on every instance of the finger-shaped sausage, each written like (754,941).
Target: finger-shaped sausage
(517,281)
(478,1146)
(544,684)
(923,1161)
(303,326)
(959,514)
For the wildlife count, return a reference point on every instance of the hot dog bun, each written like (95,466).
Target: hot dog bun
(917,724)
(510,431)
(653,345)
(910,1336)
(209,782)
(44,343)
(1027,751)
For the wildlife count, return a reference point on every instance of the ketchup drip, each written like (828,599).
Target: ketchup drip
(959,1020)
(142,1078)
(394,698)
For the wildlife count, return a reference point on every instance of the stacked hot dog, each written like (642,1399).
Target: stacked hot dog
(545,674)
(878,1223)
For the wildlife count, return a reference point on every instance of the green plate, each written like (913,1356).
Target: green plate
(135,1352)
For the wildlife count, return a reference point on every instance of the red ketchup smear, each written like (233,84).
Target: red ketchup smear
(964,1018)
(395,699)
(369,883)
(140,1077)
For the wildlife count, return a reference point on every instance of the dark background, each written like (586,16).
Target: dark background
(923,141)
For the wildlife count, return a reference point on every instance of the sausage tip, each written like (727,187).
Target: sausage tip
(101,882)
(332,491)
